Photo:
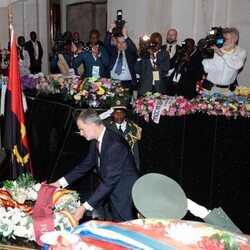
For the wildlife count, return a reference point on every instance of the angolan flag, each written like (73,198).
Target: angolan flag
(15,137)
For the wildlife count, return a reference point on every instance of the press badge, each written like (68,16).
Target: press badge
(95,71)
(156,76)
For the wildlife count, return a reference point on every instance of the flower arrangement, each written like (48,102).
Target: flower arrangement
(217,104)
(194,234)
(99,92)
(242,90)
(93,92)
(172,106)
(14,197)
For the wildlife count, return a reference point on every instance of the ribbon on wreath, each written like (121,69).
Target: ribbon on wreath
(57,195)
(7,201)
(43,220)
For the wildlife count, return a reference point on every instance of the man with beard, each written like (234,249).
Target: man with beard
(171,46)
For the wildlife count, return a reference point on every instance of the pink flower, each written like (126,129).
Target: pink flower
(164,112)
(210,244)
(172,111)
(146,117)
(182,111)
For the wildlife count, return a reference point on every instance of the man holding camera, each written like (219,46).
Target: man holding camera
(187,72)
(122,53)
(94,57)
(152,66)
(223,68)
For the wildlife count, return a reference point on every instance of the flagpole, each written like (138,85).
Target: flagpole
(10,21)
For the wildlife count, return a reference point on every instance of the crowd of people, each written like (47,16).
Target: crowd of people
(155,66)
(168,68)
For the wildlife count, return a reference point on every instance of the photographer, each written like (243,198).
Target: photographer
(152,66)
(187,72)
(122,51)
(61,60)
(94,57)
(223,68)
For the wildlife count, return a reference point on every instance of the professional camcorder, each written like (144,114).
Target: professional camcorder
(214,37)
(119,22)
(181,51)
(145,45)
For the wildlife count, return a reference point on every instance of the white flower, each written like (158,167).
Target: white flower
(20,231)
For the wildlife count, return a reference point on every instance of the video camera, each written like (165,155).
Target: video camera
(214,37)
(119,22)
(145,44)
(181,51)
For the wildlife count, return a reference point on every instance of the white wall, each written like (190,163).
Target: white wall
(28,15)
(192,18)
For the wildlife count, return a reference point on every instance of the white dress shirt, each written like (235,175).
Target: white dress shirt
(223,70)
(123,125)
(173,49)
(35,46)
(125,75)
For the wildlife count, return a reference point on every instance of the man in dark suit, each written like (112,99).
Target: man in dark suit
(122,52)
(35,51)
(96,60)
(187,72)
(115,165)
(153,68)
(171,46)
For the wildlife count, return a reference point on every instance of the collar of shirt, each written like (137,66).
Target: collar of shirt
(123,125)
(101,138)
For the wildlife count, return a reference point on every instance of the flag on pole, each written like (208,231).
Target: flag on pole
(15,137)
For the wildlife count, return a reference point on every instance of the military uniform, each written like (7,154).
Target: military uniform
(132,134)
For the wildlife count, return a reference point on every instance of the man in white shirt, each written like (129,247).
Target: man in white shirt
(223,68)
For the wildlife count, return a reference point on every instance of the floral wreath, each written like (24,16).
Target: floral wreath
(17,199)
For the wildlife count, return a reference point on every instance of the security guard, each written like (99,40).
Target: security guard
(128,129)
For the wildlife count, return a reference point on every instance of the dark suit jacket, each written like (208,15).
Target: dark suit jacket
(88,61)
(35,65)
(174,58)
(130,54)
(191,72)
(145,69)
(132,134)
(117,172)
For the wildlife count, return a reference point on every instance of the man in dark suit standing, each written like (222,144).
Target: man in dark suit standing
(115,165)
(35,51)
(122,52)
(153,66)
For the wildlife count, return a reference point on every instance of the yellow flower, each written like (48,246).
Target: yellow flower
(247,105)
(101,91)
(84,92)
(77,97)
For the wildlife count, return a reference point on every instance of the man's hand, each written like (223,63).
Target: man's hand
(111,26)
(79,212)
(55,184)
(95,51)
(217,50)
(125,31)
